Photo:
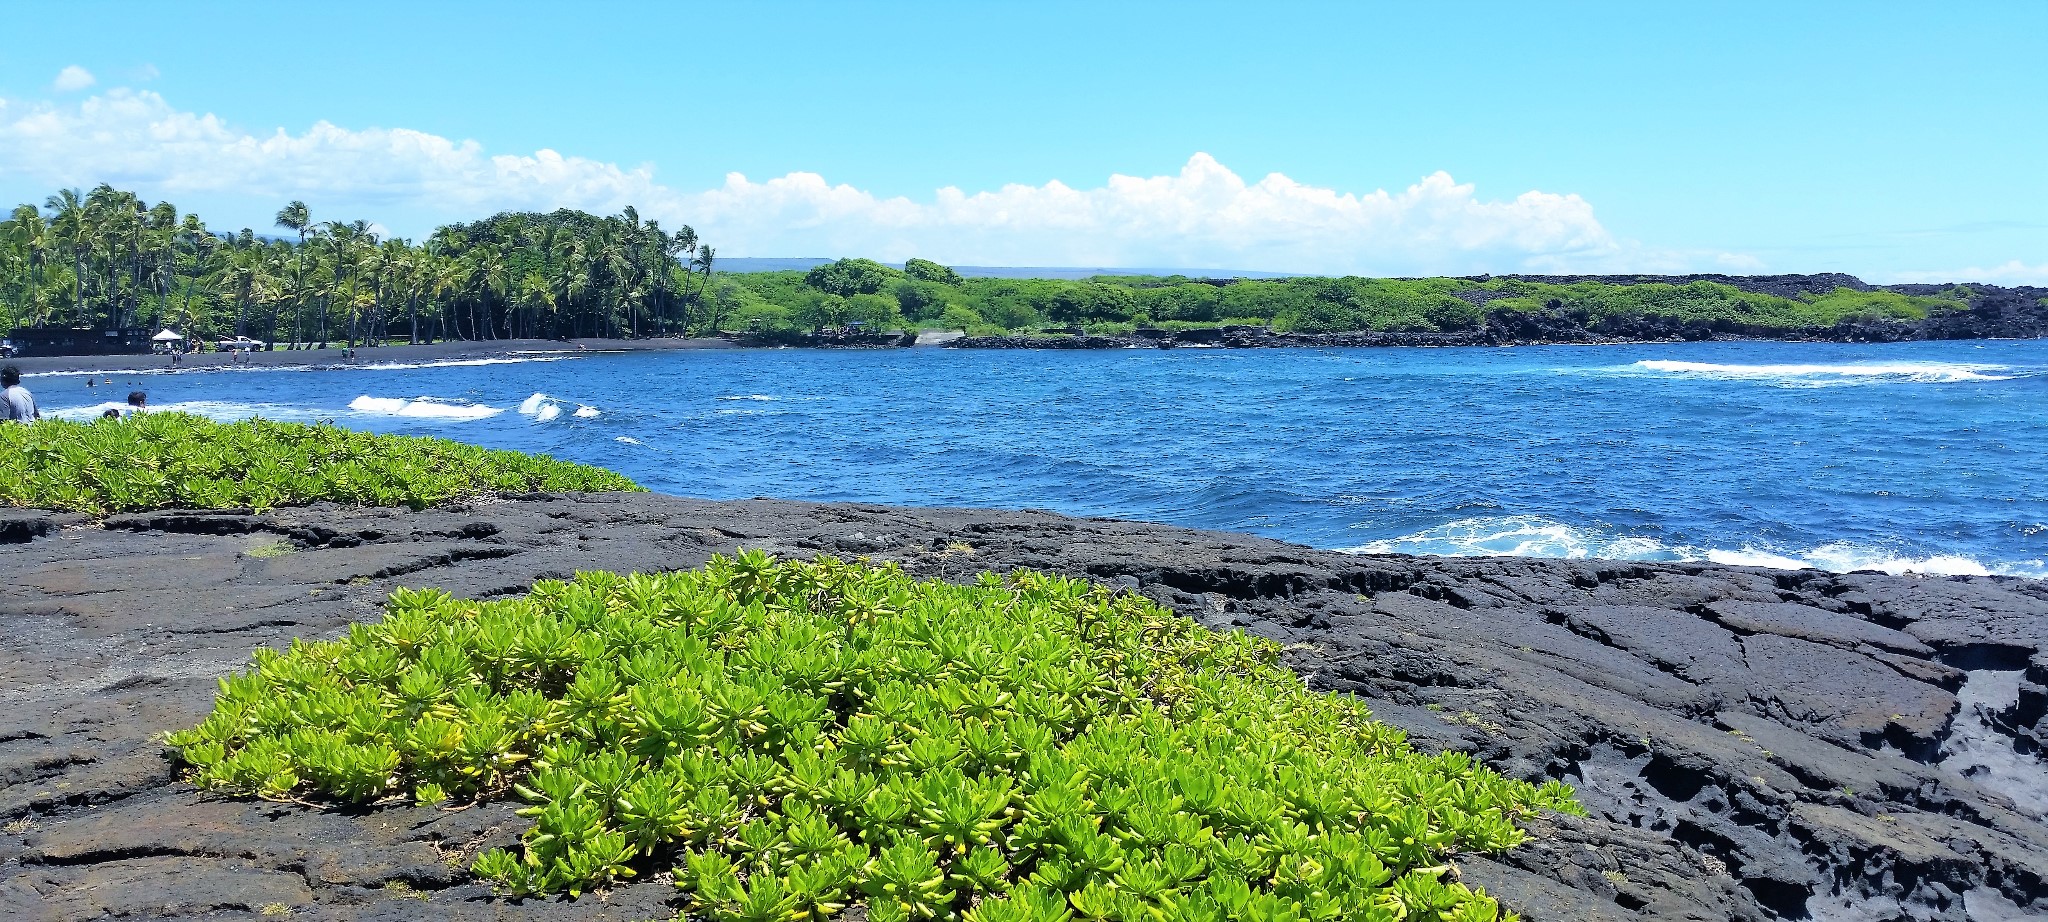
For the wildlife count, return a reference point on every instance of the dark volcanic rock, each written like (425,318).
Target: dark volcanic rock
(1752,743)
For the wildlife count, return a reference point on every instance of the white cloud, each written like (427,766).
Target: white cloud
(1204,216)
(2011,273)
(73,78)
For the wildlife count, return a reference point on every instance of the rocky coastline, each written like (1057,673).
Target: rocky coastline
(1752,744)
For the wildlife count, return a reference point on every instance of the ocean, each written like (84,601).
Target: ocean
(1924,457)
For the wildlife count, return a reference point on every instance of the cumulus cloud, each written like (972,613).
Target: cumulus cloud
(73,78)
(2014,272)
(1205,215)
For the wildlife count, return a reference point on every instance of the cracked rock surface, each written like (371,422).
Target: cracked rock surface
(1751,743)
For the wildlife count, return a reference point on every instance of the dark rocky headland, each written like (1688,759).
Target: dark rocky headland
(1991,312)
(1751,743)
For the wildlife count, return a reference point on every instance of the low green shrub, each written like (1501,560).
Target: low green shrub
(176,460)
(793,738)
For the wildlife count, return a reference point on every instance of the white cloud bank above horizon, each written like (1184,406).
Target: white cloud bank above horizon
(2013,272)
(1205,216)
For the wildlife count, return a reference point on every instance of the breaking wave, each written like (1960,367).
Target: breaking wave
(1537,536)
(1818,375)
(422,408)
(543,408)
(456,363)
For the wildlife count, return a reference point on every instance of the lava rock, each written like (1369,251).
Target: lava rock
(1750,743)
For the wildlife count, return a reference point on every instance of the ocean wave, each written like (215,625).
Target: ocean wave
(1811,375)
(422,408)
(1538,536)
(543,408)
(750,397)
(1513,536)
(456,363)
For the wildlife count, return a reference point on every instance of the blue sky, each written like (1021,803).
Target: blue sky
(1895,141)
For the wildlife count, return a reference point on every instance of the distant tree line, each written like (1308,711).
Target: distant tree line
(106,259)
(925,294)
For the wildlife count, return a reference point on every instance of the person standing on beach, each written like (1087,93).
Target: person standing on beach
(16,403)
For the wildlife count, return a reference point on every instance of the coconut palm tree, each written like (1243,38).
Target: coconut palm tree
(705,259)
(72,229)
(297,217)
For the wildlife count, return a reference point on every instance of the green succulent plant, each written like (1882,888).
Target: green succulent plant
(794,738)
(176,460)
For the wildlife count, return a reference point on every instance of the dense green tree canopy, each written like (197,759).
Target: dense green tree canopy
(106,259)
(851,277)
(924,270)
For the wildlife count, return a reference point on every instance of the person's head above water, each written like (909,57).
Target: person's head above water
(10,376)
(137,398)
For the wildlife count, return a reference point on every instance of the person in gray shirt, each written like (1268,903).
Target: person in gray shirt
(17,405)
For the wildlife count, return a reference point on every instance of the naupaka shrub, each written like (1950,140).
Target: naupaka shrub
(793,738)
(177,460)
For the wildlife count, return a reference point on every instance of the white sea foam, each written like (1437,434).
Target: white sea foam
(1841,557)
(627,439)
(456,363)
(1538,536)
(1813,375)
(1513,536)
(544,408)
(422,408)
(750,397)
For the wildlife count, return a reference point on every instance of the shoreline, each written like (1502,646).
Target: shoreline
(331,357)
(546,349)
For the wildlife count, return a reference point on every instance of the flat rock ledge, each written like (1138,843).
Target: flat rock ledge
(1751,743)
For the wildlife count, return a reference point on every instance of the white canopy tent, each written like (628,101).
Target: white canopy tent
(168,337)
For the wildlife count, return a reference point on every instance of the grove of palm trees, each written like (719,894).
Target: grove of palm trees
(108,260)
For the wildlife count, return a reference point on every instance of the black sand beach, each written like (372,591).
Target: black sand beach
(447,351)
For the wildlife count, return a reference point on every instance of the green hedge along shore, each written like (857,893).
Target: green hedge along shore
(797,738)
(176,460)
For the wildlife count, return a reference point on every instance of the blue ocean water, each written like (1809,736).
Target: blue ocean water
(1916,456)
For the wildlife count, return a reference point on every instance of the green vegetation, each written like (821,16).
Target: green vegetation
(174,460)
(1709,301)
(925,294)
(796,738)
(108,260)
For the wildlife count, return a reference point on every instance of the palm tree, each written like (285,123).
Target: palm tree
(296,217)
(240,273)
(706,256)
(71,227)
